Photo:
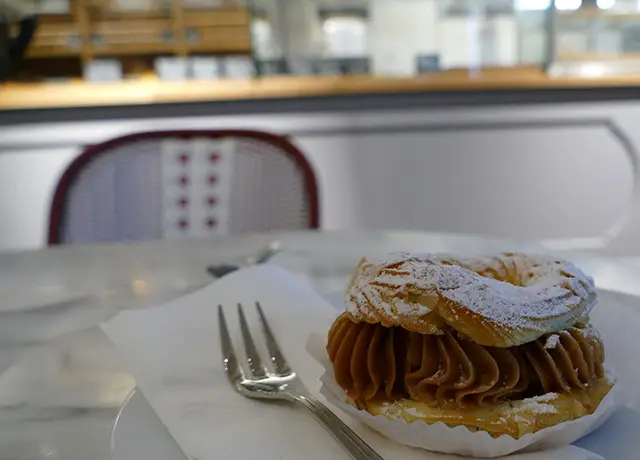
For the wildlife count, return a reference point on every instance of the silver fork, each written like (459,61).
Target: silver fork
(282,383)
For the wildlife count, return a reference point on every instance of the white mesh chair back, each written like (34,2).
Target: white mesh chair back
(183,184)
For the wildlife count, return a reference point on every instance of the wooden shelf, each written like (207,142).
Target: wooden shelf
(224,18)
(180,31)
(597,56)
(16,96)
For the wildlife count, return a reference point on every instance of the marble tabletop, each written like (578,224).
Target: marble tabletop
(61,381)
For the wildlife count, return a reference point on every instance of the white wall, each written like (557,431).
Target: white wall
(27,181)
(399,30)
(298,27)
(532,37)
(504,31)
(402,29)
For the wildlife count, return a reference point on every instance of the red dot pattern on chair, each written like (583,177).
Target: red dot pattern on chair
(118,196)
(184,160)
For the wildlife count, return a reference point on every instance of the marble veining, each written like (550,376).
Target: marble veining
(62,382)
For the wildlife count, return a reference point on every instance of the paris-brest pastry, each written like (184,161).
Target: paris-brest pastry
(495,343)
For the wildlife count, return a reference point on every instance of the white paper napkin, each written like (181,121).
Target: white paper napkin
(174,353)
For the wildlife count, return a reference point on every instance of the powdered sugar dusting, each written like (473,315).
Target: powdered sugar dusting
(405,308)
(414,412)
(515,410)
(394,410)
(537,404)
(369,289)
(531,307)
(552,342)
(552,294)
(542,398)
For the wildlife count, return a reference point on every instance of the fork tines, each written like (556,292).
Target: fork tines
(255,365)
(281,384)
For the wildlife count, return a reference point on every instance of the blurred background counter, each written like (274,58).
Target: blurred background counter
(17,96)
(143,47)
(146,51)
(522,113)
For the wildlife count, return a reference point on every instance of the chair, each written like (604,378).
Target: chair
(178,184)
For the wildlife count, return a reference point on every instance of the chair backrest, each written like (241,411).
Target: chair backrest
(176,184)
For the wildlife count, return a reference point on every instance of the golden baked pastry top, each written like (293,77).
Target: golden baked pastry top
(500,301)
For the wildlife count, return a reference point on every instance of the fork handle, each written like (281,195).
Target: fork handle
(356,446)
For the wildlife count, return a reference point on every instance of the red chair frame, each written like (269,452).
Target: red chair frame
(59,201)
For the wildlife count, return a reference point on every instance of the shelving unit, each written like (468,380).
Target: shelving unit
(87,33)
(596,35)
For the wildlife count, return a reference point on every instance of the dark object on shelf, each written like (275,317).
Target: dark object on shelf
(329,66)
(427,63)
(464,8)
(355,66)
(342,66)
(630,38)
(269,67)
(301,66)
(12,49)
